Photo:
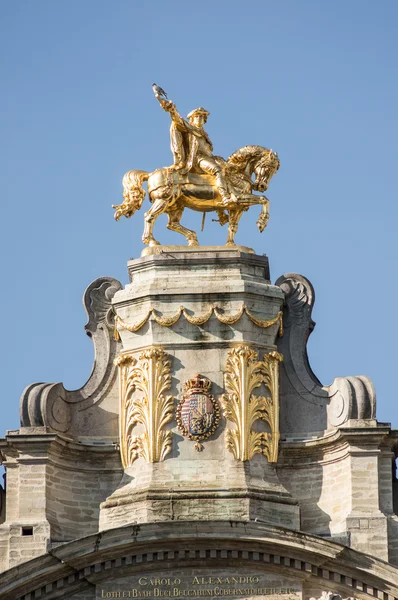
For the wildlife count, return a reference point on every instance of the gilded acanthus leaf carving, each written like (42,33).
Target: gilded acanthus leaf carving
(151,408)
(244,373)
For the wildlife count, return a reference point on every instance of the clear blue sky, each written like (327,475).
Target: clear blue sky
(314,80)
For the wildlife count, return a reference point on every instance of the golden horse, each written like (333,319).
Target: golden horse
(172,191)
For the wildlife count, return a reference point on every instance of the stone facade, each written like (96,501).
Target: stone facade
(322,517)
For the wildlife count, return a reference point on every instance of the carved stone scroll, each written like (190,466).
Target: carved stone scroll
(244,373)
(50,405)
(150,375)
(347,398)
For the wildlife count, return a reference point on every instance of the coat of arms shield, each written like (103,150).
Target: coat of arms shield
(198,413)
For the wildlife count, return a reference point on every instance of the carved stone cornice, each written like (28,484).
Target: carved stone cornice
(78,565)
(30,445)
(333,445)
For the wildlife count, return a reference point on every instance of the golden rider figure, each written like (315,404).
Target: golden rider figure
(192,148)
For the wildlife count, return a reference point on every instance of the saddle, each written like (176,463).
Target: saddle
(169,176)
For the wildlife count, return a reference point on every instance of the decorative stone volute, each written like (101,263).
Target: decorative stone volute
(347,400)
(51,406)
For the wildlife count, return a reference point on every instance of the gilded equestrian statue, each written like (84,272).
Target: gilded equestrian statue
(199,180)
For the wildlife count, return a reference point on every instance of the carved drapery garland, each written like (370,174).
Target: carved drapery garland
(197,320)
(244,373)
(151,376)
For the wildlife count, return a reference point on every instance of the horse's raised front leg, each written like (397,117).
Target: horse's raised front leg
(175,225)
(234,217)
(264,215)
(157,208)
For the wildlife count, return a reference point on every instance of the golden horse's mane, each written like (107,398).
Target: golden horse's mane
(240,157)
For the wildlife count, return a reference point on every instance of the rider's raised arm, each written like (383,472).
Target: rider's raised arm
(170,107)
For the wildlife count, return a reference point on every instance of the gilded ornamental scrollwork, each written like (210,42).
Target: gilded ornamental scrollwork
(244,373)
(143,387)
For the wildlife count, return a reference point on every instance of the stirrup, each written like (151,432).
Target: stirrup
(231,199)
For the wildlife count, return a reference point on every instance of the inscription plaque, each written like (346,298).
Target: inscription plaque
(203,583)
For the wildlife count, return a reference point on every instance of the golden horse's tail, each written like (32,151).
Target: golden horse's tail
(133,194)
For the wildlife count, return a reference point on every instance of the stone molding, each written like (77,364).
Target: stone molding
(198,494)
(215,260)
(334,445)
(81,564)
(59,451)
(50,405)
(347,398)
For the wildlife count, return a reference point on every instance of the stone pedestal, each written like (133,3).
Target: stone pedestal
(195,307)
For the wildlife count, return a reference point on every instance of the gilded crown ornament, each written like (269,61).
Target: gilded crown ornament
(199,180)
(198,413)
(198,383)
